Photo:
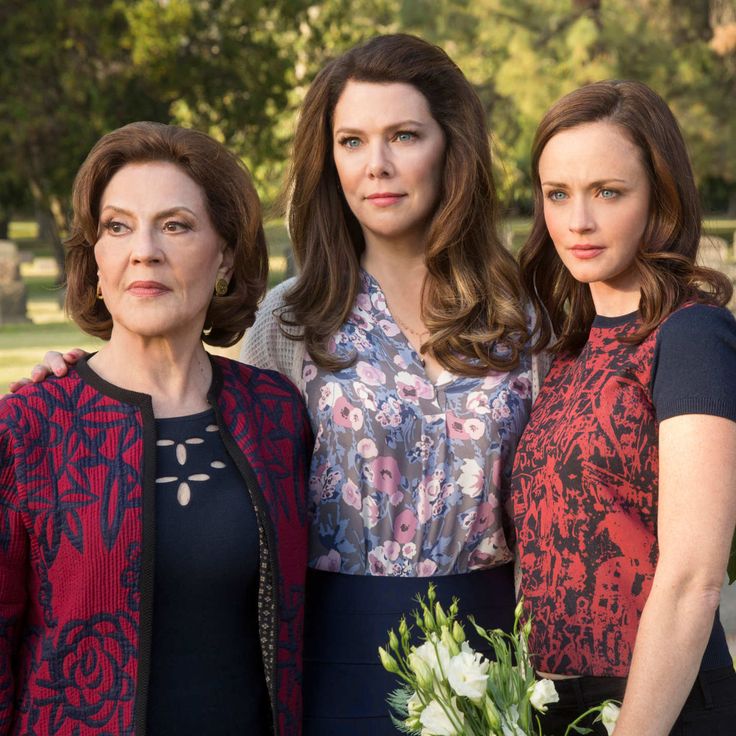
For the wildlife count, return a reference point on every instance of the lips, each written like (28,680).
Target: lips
(585,251)
(385,199)
(147,288)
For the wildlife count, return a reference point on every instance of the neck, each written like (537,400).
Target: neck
(394,264)
(175,373)
(615,302)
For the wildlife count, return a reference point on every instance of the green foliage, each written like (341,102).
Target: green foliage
(71,71)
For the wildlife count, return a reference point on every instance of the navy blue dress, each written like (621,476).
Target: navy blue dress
(206,666)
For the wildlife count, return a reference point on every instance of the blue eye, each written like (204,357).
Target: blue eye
(350,142)
(608,193)
(556,195)
(404,136)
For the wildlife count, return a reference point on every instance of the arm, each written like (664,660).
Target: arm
(13,574)
(696,517)
(53,362)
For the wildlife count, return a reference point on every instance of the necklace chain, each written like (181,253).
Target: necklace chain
(400,322)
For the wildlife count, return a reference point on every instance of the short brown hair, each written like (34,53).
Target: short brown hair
(666,258)
(471,296)
(232,204)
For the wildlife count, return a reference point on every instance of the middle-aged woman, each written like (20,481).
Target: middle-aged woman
(624,485)
(406,333)
(153,501)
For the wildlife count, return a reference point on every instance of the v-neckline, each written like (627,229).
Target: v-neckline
(445,377)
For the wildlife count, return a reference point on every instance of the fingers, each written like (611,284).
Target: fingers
(15,385)
(56,363)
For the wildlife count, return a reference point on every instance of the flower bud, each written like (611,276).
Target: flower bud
(439,614)
(492,714)
(388,662)
(393,641)
(519,610)
(449,641)
(458,633)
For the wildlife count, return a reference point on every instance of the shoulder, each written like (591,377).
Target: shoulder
(697,327)
(275,299)
(39,399)
(242,378)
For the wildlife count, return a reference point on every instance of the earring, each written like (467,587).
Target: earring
(99,291)
(221,286)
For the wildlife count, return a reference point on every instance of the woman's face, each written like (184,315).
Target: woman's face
(389,154)
(158,254)
(596,207)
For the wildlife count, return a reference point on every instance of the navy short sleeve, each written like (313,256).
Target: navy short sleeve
(695,363)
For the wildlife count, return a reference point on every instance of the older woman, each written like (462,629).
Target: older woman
(152,502)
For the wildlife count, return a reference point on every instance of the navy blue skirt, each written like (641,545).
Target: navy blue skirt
(348,617)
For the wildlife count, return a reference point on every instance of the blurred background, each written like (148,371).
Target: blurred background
(72,70)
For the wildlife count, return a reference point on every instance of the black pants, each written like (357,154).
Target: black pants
(710,709)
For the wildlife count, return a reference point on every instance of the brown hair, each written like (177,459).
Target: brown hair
(666,258)
(471,295)
(232,204)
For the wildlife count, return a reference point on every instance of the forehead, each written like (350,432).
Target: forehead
(597,150)
(371,103)
(151,184)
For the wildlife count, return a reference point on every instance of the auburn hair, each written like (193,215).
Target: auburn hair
(471,296)
(666,259)
(232,204)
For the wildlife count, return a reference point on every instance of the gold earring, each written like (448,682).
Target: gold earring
(221,286)
(99,291)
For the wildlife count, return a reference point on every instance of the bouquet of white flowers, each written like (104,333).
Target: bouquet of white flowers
(449,689)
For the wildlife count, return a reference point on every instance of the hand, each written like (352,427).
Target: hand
(53,362)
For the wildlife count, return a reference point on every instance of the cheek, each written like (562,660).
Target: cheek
(553,219)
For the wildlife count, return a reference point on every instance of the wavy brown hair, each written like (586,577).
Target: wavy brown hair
(471,295)
(232,204)
(666,258)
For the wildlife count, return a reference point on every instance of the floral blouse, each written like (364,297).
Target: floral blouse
(407,474)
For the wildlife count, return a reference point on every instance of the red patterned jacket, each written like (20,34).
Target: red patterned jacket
(77,536)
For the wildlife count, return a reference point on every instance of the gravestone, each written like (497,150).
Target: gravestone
(13,294)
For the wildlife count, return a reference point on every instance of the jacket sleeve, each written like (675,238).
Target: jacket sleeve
(13,573)
(265,345)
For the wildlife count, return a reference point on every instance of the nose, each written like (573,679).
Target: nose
(581,216)
(146,248)
(379,161)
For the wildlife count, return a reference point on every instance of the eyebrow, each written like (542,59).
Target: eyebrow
(598,183)
(165,213)
(393,126)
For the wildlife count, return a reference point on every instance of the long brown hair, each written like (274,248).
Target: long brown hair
(471,295)
(666,258)
(232,204)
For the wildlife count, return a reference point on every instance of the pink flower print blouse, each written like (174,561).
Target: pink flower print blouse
(407,475)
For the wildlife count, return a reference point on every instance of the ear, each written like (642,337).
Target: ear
(226,265)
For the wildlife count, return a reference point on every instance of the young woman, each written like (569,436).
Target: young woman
(624,484)
(153,501)
(406,335)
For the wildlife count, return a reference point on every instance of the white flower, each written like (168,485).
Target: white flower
(437,722)
(609,716)
(434,654)
(510,722)
(414,705)
(467,674)
(541,693)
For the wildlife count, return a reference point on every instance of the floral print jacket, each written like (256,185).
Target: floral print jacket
(76,545)
(408,476)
